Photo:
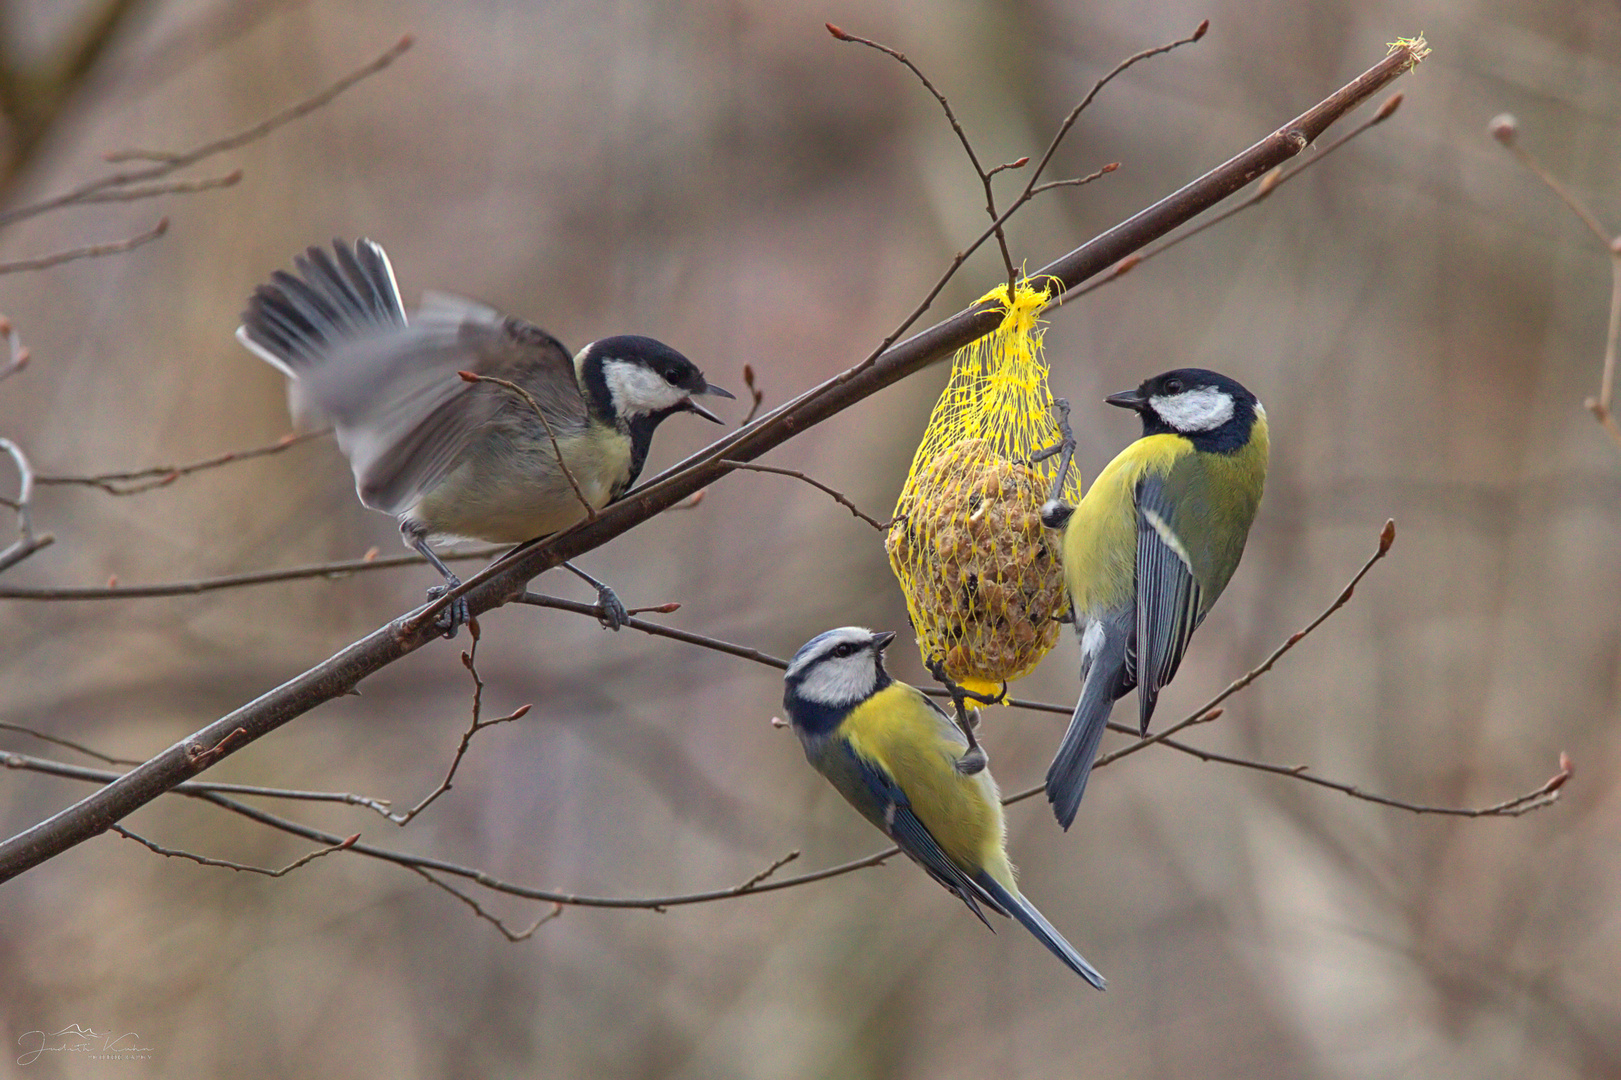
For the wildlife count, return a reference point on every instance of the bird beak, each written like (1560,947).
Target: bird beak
(1128,399)
(881,640)
(713,391)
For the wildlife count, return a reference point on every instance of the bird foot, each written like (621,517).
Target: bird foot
(611,612)
(454,617)
(974,761)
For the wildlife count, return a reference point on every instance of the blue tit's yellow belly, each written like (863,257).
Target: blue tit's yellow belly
(898,732)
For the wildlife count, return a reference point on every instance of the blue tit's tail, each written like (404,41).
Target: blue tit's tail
(1067,775)
(1037,924)
(294,320)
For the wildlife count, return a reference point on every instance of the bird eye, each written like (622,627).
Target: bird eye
(844,650)
(1173,386)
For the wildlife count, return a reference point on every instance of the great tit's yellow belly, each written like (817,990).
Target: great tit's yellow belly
(1100,538)
(507,491)
(897,731)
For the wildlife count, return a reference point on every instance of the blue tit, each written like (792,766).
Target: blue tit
(1150,547)
(897,758)
(451,458)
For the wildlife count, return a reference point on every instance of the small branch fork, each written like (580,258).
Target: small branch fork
(507,580)
(477,725)
(1505,129)
(174,853)
(1032,187)
(27,541)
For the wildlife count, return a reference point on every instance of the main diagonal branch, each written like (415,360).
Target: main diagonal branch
(505,581)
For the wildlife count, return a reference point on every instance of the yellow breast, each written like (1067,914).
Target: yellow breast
(1100,540)
(897,731)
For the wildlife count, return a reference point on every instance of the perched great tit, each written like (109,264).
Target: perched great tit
(894,755)
(448,457)
(1150,547)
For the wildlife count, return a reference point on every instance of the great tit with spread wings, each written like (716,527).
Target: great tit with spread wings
(448,457)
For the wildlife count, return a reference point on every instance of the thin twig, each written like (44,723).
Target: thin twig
(94,251)
(962,137)
(755,393)
(1505,130)
(754,881)
(535,599)
(175,853)
(1074,114)
(328,570)
(477,725)
(1546,795)
(16,351)
(568,474)
(495,884)
(172,187)
(139,480)
(172,163)
(507,932)
(842,500)
(57,740)
(1269,183)
(27,542)
(29,763)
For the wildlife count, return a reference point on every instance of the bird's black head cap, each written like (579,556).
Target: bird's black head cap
(1213,411)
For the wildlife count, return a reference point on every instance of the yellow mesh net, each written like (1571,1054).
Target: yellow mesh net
(981,577)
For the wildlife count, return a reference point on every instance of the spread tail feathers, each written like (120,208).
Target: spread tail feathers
(1038,925)
(294,321)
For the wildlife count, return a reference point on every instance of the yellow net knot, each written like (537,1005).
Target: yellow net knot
(981,576)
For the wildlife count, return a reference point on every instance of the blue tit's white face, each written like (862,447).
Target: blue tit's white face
(839,668)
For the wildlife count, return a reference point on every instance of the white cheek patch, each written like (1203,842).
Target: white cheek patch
(1204,409)
(843,680)
(636,388)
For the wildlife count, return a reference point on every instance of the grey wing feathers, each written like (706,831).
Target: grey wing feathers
(390,387)
(412,414)
(1168,598)
(296,320)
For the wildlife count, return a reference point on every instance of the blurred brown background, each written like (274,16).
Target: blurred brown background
(1421,318)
